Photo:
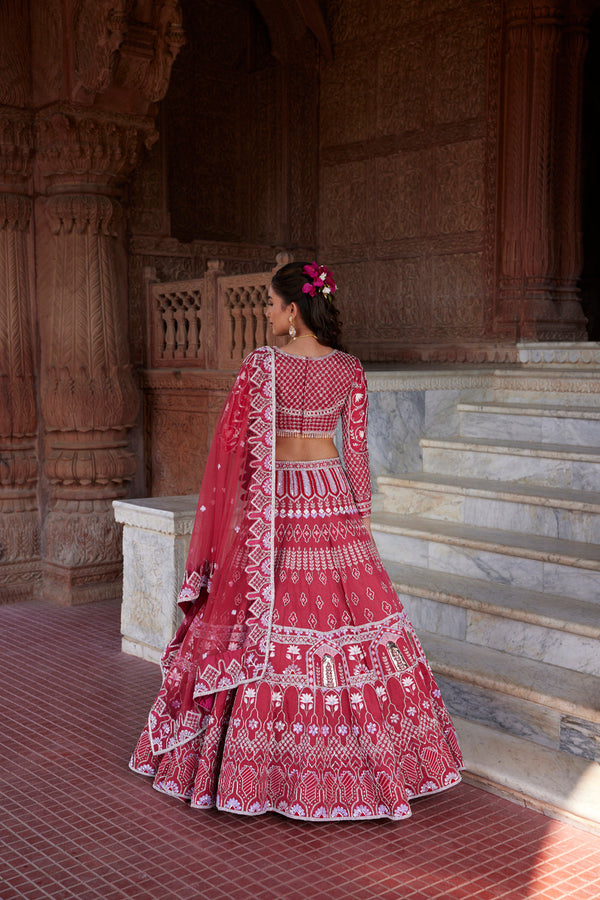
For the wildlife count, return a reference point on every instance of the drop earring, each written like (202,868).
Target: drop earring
(291,329)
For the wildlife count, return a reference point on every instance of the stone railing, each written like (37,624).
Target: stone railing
(178,332)
(211,322)
(243,325)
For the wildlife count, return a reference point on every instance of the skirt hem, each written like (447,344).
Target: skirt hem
(299,818)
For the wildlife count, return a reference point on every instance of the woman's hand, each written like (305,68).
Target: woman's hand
(367,523)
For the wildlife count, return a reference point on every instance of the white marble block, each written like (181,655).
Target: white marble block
(156,538)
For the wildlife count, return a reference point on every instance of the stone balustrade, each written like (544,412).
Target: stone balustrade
(211,322)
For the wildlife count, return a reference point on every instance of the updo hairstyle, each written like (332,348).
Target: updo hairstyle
(319,313)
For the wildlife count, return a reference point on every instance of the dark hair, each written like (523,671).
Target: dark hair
(319,313)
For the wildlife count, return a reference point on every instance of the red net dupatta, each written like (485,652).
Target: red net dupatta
(228,591)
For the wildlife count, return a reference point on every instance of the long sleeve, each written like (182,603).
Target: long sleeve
(354,441)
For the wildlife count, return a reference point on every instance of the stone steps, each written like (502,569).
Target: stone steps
(543,704)
(558,784)
(511,506)
(544,627)
(554,465)
(554,689)
(494,551)
(542,422)
(546,564)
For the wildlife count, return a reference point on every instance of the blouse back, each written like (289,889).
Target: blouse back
(311,394)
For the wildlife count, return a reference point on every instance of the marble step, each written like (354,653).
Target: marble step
(546,423)
(511,506)
(555,465)
(550,565)
(562,786)
(569,387)
(546,704)
(547,627)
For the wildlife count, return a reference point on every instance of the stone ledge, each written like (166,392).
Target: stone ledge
(510,601)
(492,540)
(156,536)
(559,353)
(568,379)
(561,786)
(515,448)
(509,491)
(553,687)
(553,410)
(167,515)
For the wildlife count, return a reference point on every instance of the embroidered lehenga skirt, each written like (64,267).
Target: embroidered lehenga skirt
(348,721)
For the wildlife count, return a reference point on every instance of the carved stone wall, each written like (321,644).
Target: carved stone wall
(412,160)
(181,412)
(88,140)
(19,469)
(407,170)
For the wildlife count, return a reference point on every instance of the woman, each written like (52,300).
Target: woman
(295,682)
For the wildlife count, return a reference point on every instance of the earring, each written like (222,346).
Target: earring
(291,329)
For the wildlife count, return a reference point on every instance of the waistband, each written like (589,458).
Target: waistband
(292,465)
(290,432)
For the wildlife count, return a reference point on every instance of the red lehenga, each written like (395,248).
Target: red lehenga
(295,682)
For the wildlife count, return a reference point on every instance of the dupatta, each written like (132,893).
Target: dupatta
(228,590)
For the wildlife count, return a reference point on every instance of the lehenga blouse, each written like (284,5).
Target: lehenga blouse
(311,394)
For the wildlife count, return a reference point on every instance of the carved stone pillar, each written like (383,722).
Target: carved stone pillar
(538,256)
(19,514)
(515,124)
(569,258)
(538,171)
(88,397)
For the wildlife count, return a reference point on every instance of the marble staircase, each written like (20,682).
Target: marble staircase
(494,549)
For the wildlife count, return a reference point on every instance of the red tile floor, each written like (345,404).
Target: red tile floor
(75,823)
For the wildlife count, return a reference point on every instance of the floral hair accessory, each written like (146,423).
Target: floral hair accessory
(322,280)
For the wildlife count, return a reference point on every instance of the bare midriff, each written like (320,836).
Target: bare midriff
(297,448)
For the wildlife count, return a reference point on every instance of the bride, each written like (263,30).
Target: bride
(295,682)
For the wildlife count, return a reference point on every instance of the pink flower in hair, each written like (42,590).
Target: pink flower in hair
(322,280)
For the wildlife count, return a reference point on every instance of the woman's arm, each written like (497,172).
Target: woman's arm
(355,416)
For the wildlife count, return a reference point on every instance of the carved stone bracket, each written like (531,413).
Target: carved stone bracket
(127,45)
(77,146)
(99,29)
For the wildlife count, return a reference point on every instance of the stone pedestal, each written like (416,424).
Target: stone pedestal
(156,538)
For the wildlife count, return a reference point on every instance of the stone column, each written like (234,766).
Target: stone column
(539,166)
(512,175)
(569,259)
(19,514)
(538,255)
(89,399)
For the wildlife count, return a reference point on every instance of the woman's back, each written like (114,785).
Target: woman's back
(311,394)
